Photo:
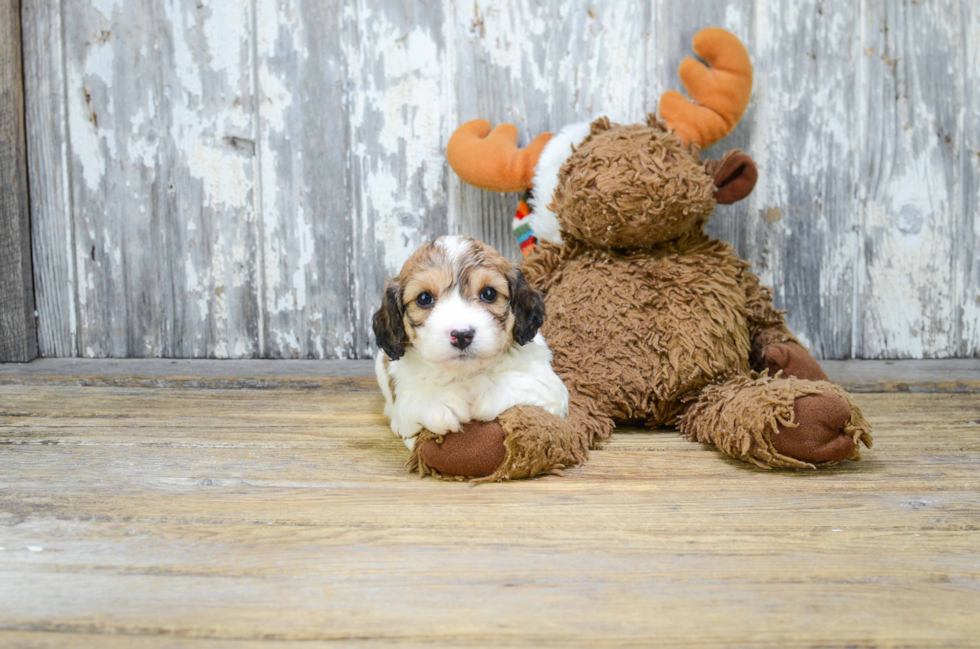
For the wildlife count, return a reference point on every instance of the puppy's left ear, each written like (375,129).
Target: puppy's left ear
(389,328)
(735,175)
(528,306)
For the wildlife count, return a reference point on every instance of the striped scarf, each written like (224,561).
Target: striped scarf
(522,226)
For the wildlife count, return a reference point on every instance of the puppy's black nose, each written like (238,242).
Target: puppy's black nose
(461,338)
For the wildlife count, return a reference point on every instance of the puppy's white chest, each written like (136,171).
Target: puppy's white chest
(419,396)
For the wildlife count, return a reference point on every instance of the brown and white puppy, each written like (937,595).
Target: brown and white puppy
(458,332)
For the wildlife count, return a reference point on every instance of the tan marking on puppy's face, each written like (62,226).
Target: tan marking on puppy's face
(428,277)
(476,280)
(457,296)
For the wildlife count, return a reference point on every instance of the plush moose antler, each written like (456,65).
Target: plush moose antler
(490,159)
(721,89)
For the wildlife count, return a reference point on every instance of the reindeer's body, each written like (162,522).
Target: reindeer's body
(640,333)
(649,319)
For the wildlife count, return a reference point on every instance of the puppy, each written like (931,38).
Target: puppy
(458,332)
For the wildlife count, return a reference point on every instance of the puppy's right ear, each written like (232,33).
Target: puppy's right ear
(389,325)
(528,307)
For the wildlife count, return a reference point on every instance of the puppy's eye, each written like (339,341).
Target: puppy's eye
(425,300)
(488,294)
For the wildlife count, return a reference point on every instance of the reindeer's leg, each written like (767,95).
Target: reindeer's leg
(785,422)
(523,442)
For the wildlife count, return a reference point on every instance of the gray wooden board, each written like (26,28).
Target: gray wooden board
(966,273)
(160,367)
(237,179)
(18,337)
(52,236)
(908,228)
(303,149)
(949,375)
(160,111)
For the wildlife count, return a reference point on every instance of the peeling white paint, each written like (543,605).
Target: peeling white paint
(305,261)
(287,340)
(508,34)
(89,137)
(105,7)
(400,136)
(226,30)
(198,134)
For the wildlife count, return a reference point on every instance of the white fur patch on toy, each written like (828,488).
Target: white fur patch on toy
(543,221)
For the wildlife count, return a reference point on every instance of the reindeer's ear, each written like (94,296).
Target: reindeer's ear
(389,325)
(735,176)
(528,306)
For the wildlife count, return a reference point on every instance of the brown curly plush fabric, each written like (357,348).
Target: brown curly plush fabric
(652,321)
(744,415)
(620,177)
(633,333)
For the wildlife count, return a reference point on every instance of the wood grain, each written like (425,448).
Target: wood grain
(52,234)
(967,269)
(398,85)
(908,227)
(243,192)
(160,517)
(304,148)
(160,105)
(936,376)
(798,225)
(18,334)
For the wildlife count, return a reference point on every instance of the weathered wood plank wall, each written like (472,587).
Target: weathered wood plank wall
(236,178)
(18,335)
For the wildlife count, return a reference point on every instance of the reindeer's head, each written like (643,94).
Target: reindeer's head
(632,186)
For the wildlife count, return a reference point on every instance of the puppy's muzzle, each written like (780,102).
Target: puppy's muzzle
(461,338)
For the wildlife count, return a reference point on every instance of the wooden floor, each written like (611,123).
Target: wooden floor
(184,516)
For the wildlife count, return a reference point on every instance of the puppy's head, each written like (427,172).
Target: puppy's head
(457,302)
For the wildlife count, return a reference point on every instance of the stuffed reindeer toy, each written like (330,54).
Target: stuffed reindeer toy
(650,320)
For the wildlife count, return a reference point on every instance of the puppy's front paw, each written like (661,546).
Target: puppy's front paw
(441,420)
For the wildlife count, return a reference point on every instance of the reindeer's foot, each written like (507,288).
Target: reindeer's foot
(784,422)
(820,434)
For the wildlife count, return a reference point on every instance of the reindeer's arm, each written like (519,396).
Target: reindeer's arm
(774,347)
(766,324)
